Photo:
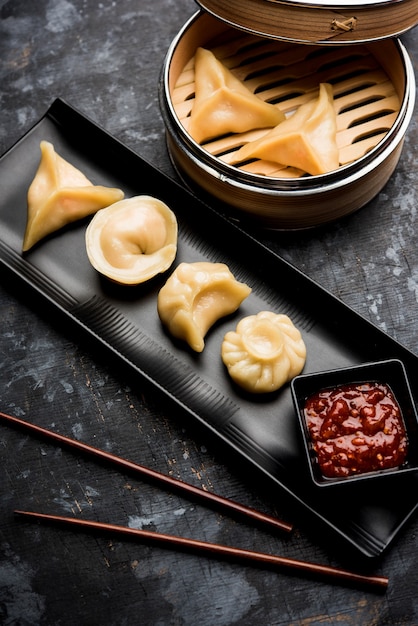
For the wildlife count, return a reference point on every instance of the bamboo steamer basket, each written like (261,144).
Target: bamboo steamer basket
(374,97)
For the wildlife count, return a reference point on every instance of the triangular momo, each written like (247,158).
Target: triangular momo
(223,104)
(60,194)
(306,140)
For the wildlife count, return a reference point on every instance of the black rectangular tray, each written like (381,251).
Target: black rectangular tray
(124,319)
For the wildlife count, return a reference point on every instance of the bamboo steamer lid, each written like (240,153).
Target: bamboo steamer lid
(334,22)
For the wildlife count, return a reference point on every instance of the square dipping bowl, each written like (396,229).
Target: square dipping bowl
(390,373)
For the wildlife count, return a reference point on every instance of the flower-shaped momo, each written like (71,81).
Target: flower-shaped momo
(195,296)
(264,352)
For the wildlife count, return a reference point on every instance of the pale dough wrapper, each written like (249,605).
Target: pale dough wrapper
(133,240)
(59,195)
(306,140)
(265,352)
(195,296)
(223,104)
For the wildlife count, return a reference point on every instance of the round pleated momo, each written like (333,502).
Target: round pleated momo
(264,352)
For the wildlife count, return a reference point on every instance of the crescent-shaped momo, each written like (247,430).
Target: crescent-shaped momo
(223,104)
(264,352)
(60,194)
(133,240)
(195,296)
(306,140)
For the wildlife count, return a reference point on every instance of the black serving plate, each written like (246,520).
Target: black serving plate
(263,430)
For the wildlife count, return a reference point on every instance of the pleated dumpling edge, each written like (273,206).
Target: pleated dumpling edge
(306,140)
(223,103)
(60,194)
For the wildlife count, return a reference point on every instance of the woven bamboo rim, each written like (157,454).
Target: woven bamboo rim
(287,211)
(306,23)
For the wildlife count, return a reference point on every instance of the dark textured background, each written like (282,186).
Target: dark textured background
(105,58)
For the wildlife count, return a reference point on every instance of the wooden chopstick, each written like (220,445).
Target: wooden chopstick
(207,496)
(377,582)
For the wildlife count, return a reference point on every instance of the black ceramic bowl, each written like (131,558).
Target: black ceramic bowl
(392,375)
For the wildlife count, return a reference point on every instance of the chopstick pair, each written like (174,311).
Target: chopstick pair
(377,582)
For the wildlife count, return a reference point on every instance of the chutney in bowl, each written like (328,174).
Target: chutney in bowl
(357,423)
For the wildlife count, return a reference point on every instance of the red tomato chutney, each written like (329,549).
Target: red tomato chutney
(356,428)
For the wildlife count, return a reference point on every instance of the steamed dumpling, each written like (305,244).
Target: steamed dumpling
(223,104)
(133,240)
(195,296)
(60,194)
(265,352)
(307,139)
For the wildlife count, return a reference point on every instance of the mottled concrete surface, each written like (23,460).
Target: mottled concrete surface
(105,58)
